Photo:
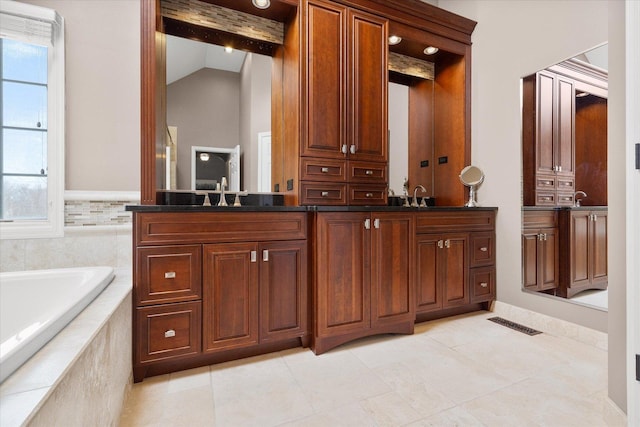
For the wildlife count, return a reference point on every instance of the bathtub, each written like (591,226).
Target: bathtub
(36,305)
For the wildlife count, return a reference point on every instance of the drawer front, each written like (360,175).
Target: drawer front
(325,170)
(565,199)
(535,219)
(368,195)
(566,185)
(368,172)
(162,228)
(483,284)
(456,220)
(168,274)
(545,183)
(320,193)
(544,198)
(168,331)
(482,249)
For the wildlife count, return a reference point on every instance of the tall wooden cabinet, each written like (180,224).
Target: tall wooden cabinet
(363,281)
(344,145)
(548,140)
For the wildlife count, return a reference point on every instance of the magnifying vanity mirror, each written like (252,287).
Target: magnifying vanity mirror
(564,178)
(472,177)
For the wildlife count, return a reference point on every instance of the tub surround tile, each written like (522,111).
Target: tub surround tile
(12,255)
(85,370)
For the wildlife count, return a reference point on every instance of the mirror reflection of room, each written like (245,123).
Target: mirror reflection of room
(564,125)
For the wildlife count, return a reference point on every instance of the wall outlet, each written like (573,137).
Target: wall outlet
(289,184)
(442,160)
(424,163)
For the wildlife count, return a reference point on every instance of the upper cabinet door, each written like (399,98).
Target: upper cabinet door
(368,87)
(566,108)
(326,80)
(545,156)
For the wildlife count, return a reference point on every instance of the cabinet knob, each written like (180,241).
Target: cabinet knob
(344,149)
(170,275)
(369,195)
(484,249)
(324,194)
(484,284)
(170,333)
(324,170)
(368,172)
(353,149)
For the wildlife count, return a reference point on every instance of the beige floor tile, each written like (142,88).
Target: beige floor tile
(454,417)
(352,415)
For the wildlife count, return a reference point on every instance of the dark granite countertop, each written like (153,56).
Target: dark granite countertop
(565,208)
(198,208)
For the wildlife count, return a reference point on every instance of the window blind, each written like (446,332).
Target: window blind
(28,23)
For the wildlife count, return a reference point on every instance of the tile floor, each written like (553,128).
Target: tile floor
(594,298)
(460,371)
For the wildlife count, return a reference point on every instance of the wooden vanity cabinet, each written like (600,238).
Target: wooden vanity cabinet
(548,134)
(344,142)
(540,250)
(584,250)
(455,254)
(215,286)
(363,284)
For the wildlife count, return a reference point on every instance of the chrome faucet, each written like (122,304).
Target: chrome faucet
(576,201)
(414,203)
(223,184)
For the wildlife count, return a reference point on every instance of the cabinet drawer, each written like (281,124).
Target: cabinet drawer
(368,172)
(166,331)
(545,198)
(325,170)
(566,184)
(367,195)
(319,193)
(168,274)
(482,249)
(535,219)
(545,183)
(565,199)
(483,284)
(457,220)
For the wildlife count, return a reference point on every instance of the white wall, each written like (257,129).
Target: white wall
(513,39)
(102,93)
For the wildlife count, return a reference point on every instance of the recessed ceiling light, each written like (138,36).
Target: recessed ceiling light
(261,4)
(204,157)
(228,49)
(581,94)
(393,40)
(430,50)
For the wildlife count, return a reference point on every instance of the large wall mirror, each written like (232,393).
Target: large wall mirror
(564,195)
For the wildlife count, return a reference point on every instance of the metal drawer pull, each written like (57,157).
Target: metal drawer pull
(324,194)
(484,249)
(367,224)
(566,183)
(369,195)
(344,149)
(254,256)
(368,172)
(170,275)
(484,284)
(265,255)
(170,333)
(324,170)
(376,223)
(353,149)
(447,243)
(440,244)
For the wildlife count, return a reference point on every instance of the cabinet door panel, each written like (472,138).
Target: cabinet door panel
(545,161)
(548,259)
(599,246)
(326,86)
(342,291)
(368,86)
(579,248)
(428,292)
(230,304)
(456,267)
(283,290)
(565,128)
(392,260)
(530,260)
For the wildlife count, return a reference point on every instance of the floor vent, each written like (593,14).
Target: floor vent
(513,325)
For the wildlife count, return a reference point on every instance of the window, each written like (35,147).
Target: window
(31,121)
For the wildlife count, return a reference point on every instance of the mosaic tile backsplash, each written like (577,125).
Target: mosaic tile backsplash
(81,213)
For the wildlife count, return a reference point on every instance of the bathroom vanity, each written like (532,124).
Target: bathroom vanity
(334,261)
